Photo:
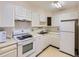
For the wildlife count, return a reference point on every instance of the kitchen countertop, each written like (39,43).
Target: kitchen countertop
(34,33)
(8,42)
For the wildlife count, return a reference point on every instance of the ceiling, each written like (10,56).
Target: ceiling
(46,5)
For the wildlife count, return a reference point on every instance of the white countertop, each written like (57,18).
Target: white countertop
(35,34)
(8,42)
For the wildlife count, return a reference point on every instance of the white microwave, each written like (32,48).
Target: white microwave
(2,36)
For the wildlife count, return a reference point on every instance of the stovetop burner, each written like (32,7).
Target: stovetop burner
(24,37)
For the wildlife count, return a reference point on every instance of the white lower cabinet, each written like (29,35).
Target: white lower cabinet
(12,53)
(40,44)
(42,41)
(45,41)
(9,51)
(53,39)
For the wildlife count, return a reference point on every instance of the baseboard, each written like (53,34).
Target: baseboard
(54,46)
(62,51)
(67,53)
(46,48)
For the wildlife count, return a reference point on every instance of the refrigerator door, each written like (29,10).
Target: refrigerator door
(67,26)
(67,42)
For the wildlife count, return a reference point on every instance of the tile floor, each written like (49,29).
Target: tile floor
(52,52)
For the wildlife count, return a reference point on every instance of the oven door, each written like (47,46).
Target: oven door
(25,48)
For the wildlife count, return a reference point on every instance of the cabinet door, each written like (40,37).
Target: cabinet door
(53,39)
(49,39)
(12,53)
(1,14)
(55,21)
(8,48)
(39,44)
(7,16)
(45,41)
(43,18)
(35,19)
(28,15)
(20,12)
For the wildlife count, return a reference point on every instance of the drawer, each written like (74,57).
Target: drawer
(8,48)
(12,53)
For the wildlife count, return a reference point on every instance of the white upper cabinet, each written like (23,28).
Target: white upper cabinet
(35,19)
(55,21)
(43,18)
(20,13)
(6,15)
(28,14)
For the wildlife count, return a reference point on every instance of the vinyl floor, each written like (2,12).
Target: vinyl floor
(53,52)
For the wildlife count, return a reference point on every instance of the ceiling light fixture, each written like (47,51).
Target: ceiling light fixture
(57,4)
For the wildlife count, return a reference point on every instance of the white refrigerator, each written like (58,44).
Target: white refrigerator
(69,36)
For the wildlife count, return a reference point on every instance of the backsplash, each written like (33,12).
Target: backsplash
(49,29)
(43,23)
(22,25)
(53,29)
(18,25)
(9,30)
